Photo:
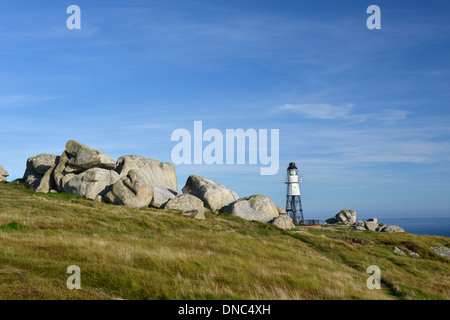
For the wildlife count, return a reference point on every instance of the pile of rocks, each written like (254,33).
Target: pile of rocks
(139,182)
(3,174)
(347,218)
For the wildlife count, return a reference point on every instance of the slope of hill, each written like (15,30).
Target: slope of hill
(126,253)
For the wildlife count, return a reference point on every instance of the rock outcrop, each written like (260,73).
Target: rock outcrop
(37,167)
(82,157)
(256,207)
(152,171)
(132,190)
(3,174)
(344,216)
(370,225)
(283,222)
(281,210)
(391,229)
(401,252)
(214,195)
(84,171)
(188,204)
(91,183)
(162,195)
(443,251)
(347,219)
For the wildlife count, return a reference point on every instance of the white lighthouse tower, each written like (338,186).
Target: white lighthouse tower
(293,201)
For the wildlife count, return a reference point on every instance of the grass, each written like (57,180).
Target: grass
(127,253)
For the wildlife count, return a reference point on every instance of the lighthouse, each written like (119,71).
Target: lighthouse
(293,201)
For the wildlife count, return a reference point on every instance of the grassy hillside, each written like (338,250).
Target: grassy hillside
(126,253)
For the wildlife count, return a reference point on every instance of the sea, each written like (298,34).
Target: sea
(422,226)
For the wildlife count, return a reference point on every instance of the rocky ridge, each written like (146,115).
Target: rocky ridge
(347,218)
(139,182)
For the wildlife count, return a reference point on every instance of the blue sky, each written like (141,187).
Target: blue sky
(364,113)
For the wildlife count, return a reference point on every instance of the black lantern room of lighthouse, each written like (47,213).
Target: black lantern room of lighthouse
(293,201)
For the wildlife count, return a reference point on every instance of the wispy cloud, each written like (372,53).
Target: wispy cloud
(21,100)
(147,126)
(342,112)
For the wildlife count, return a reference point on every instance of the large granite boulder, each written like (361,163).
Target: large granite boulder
(281,210)
(59,173)
(256,207)
(131,190)
(161,195)
(214,195)
(90,183)
(391,229)
(188,204)
(47,182)
(370,225)
(82,157)
(344,216)
(78,158)
(359,223)
(283,222)
(152,171)
(3,174)
(37,167)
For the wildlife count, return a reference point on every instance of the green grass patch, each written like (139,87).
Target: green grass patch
(127,253)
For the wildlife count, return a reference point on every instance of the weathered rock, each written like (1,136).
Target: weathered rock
(413,254)
(281,210)
(131,191)
(381,227)
(3,174)
(214,195)
(374,220)
(370,225)
(47,182)
(399,251)
(59,172)
(161,195)
(443,251)
(152,171)
(82,157)
(78,158)
(283,222)
(344,216)
(90,183)
(256,207)
(37,166)
(188,204)
(359,223)
(359,228)
(391,229)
